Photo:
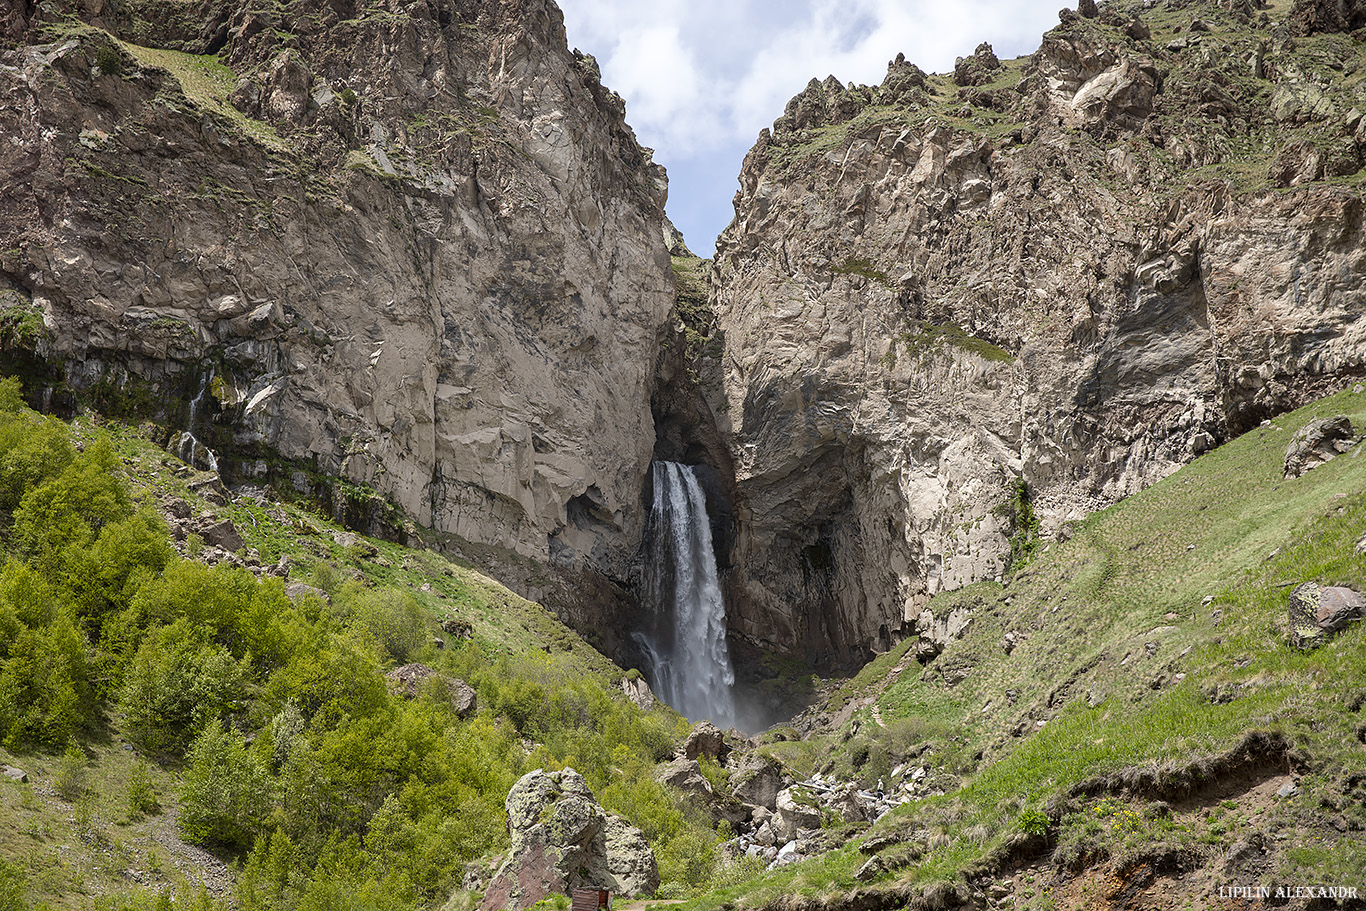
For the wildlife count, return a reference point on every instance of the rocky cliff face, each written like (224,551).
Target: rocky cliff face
(409,243)
(957,311)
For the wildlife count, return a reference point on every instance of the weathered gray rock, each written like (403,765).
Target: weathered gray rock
(407,681)
(685,775)
(953,314)
(14,774)
(637,689)
(796,808)
(1316,612)
(462,309)
(705,739)
(298,591)
(562,840)
(757,780)
(1316,443)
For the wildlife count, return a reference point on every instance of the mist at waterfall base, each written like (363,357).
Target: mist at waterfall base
(685,646)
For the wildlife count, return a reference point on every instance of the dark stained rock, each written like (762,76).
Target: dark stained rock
(458,628)
(978,69)
(1316,443)
(222,534)
(1316,612)
(1309,17)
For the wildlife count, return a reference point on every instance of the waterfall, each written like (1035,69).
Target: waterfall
(687,650)
(185,444)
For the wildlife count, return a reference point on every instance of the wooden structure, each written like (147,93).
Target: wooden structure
(591,900)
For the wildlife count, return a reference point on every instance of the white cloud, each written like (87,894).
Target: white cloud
(701,77)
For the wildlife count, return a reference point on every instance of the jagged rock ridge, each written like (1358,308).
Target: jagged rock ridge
(960,311)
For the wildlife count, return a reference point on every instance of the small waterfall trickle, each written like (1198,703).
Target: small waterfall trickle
(188,449)
(687,649)
(185,444)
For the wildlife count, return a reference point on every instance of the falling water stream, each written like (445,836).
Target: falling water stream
(185,444)
(687,647)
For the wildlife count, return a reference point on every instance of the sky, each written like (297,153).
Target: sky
(702,77)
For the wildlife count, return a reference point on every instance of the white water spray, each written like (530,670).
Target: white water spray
(692,669)
(185,444)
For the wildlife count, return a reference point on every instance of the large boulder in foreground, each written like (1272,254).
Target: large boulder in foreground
(562,841)
(1317,612)
(1316,443)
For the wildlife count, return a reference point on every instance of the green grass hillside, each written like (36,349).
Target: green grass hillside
(1124,710)
(191,732)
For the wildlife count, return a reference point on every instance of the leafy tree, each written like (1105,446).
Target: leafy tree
(63,515)
(178,683)
(227,793)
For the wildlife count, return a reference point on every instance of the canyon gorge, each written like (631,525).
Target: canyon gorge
(409,258)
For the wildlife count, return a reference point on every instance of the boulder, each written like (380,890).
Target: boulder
(796,809)
(707,740)
(758,779)
(14,774)
(562,841)
(847,803)
(1316,443)
(685,775)
(222,534)
(407,681)
(298,591)
(787,854)
(1316,612)
(458,628)
(638,691)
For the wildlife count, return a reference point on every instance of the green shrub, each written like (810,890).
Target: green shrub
(108,60)
(142,798)
(63,515)
(178,683)
(393,618)
(71,773)
(1032,822)
(32,450)
(227,793)
(45,694)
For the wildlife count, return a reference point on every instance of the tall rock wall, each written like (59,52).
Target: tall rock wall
(407,242)
(954,307)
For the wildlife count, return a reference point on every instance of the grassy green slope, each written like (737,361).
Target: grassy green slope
(272,769)
(1145,648)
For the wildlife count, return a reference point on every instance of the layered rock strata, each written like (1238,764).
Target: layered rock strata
(408,243)
(958,312)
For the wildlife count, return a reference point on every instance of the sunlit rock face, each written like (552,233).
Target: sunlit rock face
(412,244)
(932,293)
